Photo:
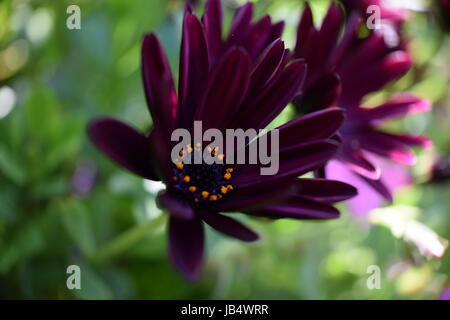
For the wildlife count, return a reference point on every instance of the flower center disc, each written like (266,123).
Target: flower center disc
(202,183)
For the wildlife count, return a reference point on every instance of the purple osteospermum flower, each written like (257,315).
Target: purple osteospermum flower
(341,72)
(243,81)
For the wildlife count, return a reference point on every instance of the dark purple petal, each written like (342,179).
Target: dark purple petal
(293,162)
(256,196)
(257,37)
(383,144)
(176,207)
(329,33)
(159,87)
(355,160)
(283,88)
(229,226)
(323,190)
(193,67)
(277,31)
(371,50)
(322,94)
(226,90)
(160,148)
(298,208)
(413,141)
(241,23)
(373,77)
(303,31)
(398,106)
(213,28)
(124,145)
(380,187)
(266,67)
(311,127)
(186,246)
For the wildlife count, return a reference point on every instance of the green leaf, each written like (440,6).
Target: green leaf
(10,167)
(78,224)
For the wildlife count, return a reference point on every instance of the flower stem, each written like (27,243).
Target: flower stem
(128,239)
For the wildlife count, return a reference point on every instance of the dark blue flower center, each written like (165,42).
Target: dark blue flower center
(202,183)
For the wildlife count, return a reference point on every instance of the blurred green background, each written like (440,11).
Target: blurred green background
(54,80)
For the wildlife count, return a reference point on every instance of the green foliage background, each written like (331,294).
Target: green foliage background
(63,78)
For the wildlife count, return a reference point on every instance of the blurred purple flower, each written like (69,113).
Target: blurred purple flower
(83,179)
(242,81)
(445,294)
(367,198)
(341,72)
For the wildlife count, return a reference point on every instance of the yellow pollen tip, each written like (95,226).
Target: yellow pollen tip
(192,189)
(189,149)
(213,198)
(205,194)
(227,176)
(230,170)
(223,189)
(187,179)
(180,166)
(221,156)
(229,187)
(209,149)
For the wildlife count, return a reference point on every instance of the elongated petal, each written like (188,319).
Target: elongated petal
(314,126)
(323,190)
(277,31)
(299,208)
(229,226)
(373,77)
(398,106)
(355,160)
(159,87)
(257,37)
(240,24)
(194,67)
(213,28)
(413,141)
(186,246)
(382,144)
(304,28)
(329,34)
(266,67)
(293,162)
(256,196)
(124,145)
(379,187)
(176,207)
(226,90)
(284,87)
